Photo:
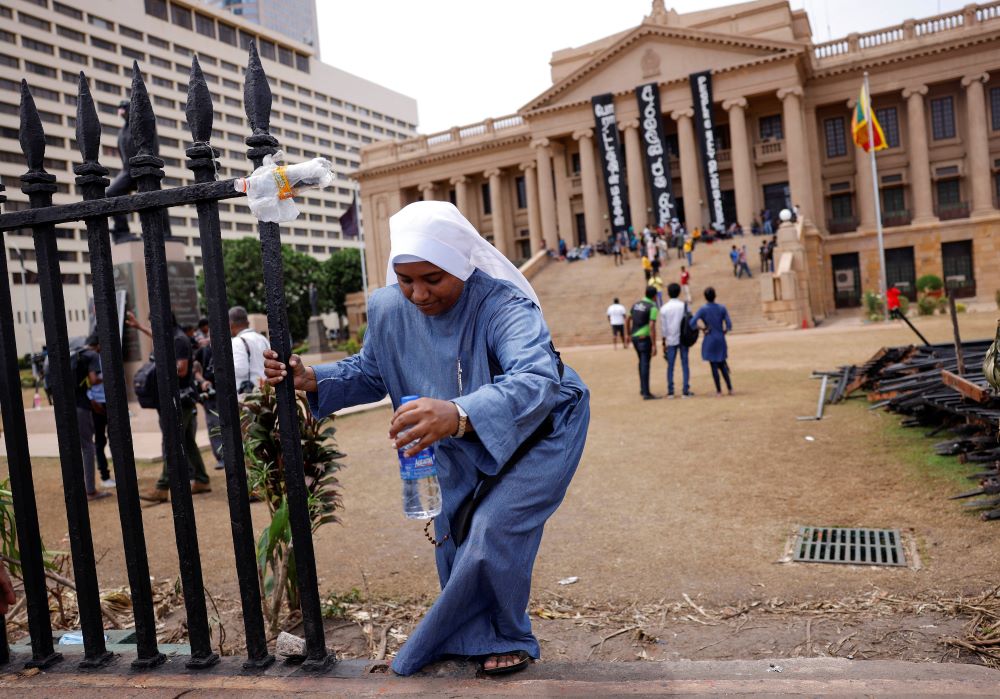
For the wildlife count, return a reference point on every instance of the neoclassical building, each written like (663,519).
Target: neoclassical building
(782,111)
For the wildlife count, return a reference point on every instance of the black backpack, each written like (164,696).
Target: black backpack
(689,335)
(144,385)
(640,314)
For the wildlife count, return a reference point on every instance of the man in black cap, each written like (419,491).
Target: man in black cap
(123,182)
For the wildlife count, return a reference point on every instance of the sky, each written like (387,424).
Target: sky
(465,60)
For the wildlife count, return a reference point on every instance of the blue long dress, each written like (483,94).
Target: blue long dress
(482,609)
(716,317)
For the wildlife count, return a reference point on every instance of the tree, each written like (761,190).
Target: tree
(339,275)
(244,270)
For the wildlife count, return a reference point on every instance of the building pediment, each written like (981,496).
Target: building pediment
(653,53)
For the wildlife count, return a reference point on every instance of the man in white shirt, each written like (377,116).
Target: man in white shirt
(248,351)
(671,317)
(616,314)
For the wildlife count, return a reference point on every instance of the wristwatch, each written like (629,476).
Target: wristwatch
(463,421)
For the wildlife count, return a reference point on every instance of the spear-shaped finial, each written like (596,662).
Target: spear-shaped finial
(257,94)
(199,110)
(141,119)
(31,135)
(88,126)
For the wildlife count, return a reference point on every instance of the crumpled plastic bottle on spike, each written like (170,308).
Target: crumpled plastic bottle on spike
(271,188)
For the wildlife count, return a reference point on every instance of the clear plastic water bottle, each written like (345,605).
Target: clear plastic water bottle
(421,489)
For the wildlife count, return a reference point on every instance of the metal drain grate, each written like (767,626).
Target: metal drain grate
(877,547)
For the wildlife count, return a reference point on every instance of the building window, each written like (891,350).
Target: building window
(39,46)
(302,62)
(995,107)
(102,44)
(71,33)
(67,10)
(900,271)
(130,33)
(227,33)
(268,49)
(948,192)
(522,193)
(181,16)
(841,207)
(204,25)
(72,56)
(836,140)
(889,121)
(943,118)
(892,201)
(157,8)
(487,204)
(770,128)
(101,23)
(32,21)
(285,56)
(574,163)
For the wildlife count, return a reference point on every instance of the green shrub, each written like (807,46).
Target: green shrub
(929,282)
(960,308)
(351,347)
(874,307)
(361,333)
(942,305)
(926,306)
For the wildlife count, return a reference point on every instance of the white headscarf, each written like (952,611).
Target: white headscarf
(437,232)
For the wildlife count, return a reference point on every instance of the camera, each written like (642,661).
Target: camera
(191,396)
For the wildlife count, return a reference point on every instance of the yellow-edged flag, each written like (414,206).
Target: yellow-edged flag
(859,125)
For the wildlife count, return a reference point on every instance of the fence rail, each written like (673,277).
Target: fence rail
(152,203)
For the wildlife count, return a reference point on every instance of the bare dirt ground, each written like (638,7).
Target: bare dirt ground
(675,524)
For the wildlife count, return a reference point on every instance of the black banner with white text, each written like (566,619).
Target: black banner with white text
(654,150)
(611,161)
(704,122)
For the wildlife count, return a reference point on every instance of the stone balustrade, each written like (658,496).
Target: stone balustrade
(966,18)
(389,151)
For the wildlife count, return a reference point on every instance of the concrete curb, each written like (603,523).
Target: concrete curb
(780,677)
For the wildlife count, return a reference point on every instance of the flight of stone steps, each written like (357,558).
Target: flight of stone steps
(575,295)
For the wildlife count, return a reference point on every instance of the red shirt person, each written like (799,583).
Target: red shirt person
(892,301)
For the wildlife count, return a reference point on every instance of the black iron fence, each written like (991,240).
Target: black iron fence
(151,203)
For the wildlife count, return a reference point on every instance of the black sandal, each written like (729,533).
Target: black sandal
(523,660)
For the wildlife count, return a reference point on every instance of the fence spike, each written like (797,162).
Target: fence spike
(199,110)
(257,94)
(88,126)
(141,119)
(31,135)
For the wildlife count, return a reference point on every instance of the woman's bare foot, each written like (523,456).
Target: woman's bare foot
(502,663)
(495,661)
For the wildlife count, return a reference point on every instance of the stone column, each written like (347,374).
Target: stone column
(636,168)
(546,193)
(978,144)
(690,175)
(427,192)
(921,201)
(461,185)
(591,192)
(501,240)
(564,207)
(534,214)
(796,151)
(740,156)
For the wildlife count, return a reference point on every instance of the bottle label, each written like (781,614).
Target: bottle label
(413,468)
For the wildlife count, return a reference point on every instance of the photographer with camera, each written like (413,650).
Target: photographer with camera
(248,351)
(204,381)
(189,395)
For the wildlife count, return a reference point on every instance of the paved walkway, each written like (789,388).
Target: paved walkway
(814,677)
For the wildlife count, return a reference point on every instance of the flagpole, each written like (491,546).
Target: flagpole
(870,118)
(361,235)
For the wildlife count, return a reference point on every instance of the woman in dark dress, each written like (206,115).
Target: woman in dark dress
(715,323)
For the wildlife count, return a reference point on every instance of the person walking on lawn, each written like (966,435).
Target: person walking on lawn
(641,328)
(616,314)
(715,323)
